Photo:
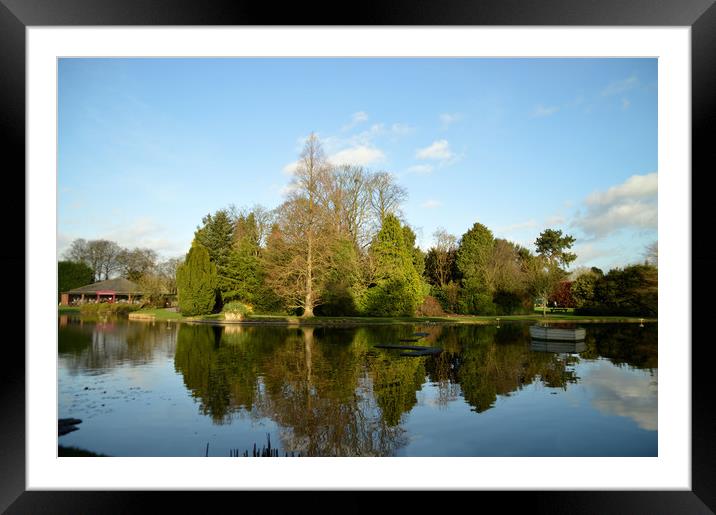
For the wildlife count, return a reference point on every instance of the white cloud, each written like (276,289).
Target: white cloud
(142,232)
(632,204)
(431,204)
(542,111)
(401,129)
(448,119)
(625,103)
(420,169)
(620,86)
(290,168)
(587,252)
(640,215)
(635,187)
(358,155)
(438,150)
(356,119)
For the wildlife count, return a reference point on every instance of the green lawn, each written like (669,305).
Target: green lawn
(454,319)
(63,310)
(160,314)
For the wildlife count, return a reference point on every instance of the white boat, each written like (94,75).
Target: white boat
(541,332)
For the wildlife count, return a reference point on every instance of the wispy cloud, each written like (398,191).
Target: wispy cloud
(431,204)
(357,155)
(620,86)
(554,220)
(447,119)
(631,204)
(438,150)
(356,119)
(290,168)
(542,111)
(401,129)
(625,103)
(287,189)
(420,169)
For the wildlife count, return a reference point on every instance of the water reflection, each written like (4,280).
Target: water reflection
(558,347)
(331,392)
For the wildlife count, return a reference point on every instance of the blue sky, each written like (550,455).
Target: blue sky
(149,146)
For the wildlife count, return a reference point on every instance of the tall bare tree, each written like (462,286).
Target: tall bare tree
(135,263)
(386,196)
(443,252)
(100,255)
(297,251)
(349,197)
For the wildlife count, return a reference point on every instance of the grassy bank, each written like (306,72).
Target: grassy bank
(155,314)
(274,319)
(66,310)
(456,319)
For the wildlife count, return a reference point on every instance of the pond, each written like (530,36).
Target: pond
(180,389)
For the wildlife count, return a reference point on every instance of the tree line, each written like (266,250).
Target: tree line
(339,245)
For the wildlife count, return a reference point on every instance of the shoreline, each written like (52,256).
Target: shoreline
(369,321)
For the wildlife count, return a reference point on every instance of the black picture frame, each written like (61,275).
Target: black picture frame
(17,15)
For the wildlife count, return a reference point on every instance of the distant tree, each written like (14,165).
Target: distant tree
(416,254)
(473,258)
(349,197)
(543,277)
(631,291)
(72,274)
(582,289)
(135,263)
(507,277)
(197,282)
(385,196)
(78,253)
(154,289)
(553,246)
(562,295)
(342,288)
(100,255)
(398,289)
(167,270)
(440,259)
(651,255)
(545,271)
(216,236)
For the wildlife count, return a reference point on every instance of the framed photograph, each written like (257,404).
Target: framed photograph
(353,316)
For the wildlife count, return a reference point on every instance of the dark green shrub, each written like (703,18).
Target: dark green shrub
(197,282)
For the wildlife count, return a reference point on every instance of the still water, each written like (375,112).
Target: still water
(176,389)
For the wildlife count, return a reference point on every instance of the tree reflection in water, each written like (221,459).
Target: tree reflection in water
(334,394)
